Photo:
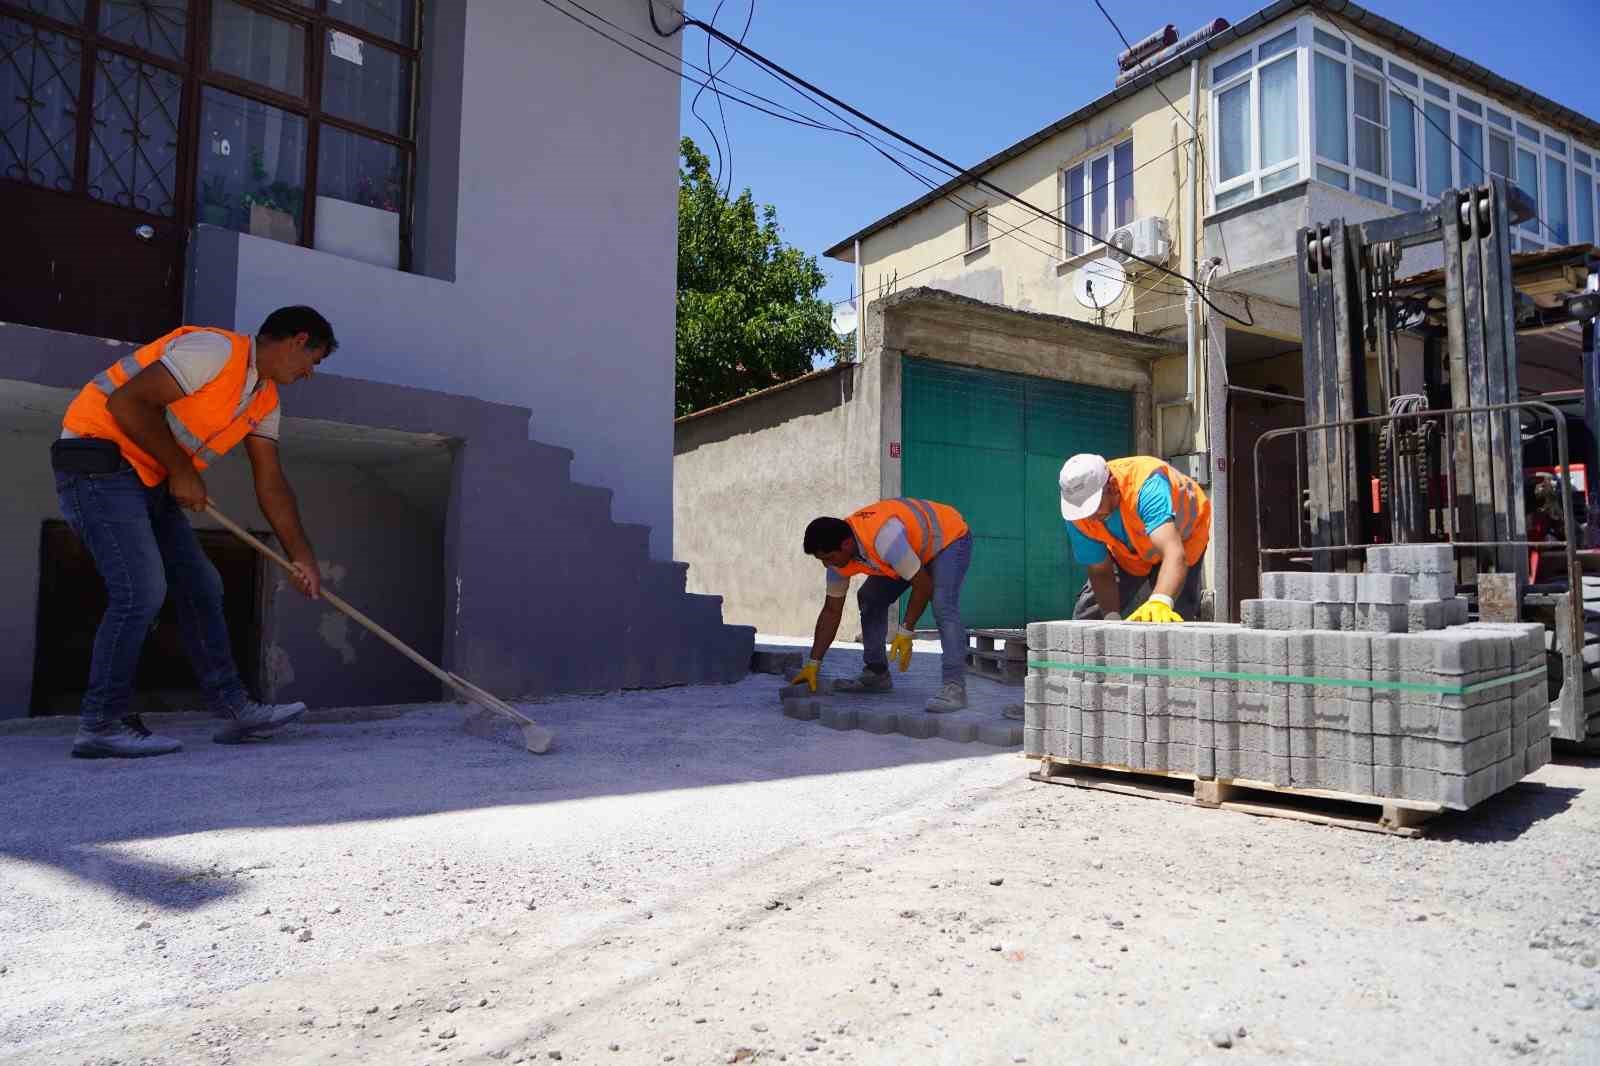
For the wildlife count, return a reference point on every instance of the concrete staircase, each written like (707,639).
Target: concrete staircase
(549,594)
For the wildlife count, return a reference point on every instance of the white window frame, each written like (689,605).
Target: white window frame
(1255,174)
(1107,152)
(1312,164)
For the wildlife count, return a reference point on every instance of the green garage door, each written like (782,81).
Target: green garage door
(991,445)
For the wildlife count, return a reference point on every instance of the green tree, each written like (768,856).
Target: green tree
(748,312)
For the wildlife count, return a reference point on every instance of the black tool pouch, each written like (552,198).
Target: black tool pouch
(85,455)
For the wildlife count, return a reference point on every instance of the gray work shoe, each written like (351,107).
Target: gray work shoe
(119,741)
(952,697)
(256,720)
(866,681)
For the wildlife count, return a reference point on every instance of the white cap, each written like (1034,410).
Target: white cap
(1083,480)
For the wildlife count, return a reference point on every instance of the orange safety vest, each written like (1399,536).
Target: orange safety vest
(205,423)
(1191,512)
(930,528)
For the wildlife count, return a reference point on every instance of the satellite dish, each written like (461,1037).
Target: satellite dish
(1099,284)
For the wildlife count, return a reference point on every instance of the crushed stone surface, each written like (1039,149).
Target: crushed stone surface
(689,876)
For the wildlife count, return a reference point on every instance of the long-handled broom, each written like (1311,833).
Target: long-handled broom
(535,737)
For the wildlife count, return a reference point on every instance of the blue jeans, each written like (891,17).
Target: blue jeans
(877,595)
(144,546)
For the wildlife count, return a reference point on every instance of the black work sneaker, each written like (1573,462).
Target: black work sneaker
(256,720)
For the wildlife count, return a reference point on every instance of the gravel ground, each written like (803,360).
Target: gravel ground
(692,877)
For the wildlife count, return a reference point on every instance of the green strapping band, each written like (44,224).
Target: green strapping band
(1293,679)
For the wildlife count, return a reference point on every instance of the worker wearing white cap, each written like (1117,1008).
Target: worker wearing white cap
(1135,522)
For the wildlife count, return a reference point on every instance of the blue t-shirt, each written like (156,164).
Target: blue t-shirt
(1155,509)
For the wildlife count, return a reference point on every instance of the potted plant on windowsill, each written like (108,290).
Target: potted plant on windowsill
(214,201)
(274,208)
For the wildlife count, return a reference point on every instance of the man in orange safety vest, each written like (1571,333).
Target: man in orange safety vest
(897,544)
(127,465)
(1135,523)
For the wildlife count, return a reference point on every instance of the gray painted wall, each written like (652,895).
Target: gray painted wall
(552,246)
(749,479)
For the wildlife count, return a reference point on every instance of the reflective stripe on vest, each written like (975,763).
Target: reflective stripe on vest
(930,527)
(205,423)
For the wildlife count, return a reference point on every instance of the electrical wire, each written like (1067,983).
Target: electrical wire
(967,175)
(1155,85)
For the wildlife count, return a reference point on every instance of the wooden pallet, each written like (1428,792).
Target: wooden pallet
(1001,655)
(1346,810)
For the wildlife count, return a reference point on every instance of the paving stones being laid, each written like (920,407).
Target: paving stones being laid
(888,713)
(1451,716)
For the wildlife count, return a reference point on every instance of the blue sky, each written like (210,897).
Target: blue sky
(969,78)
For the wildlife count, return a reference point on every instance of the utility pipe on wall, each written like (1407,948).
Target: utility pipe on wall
(861,303)
(1191,239)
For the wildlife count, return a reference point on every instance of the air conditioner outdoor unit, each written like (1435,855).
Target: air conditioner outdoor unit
(1144,238)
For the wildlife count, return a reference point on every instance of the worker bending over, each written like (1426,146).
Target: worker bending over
(1125,518)
(898,544)
(128,464)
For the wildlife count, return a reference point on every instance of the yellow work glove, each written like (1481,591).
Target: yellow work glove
(900,647)
(1156,609)
(807,674)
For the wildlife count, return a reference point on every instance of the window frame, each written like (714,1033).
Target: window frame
(1084,193)
(1255,176)
(1418,84)
(317,25)
(972,218)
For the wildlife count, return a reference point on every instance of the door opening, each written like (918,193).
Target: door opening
(72,599)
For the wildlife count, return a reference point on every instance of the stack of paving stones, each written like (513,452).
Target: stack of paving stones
(1421,740)
(1408,588)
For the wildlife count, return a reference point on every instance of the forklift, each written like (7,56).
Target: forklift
(1417,429)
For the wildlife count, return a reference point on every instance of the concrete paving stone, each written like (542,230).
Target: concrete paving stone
(1253,613)
(1342,744)
(1332,587)
(1454,791)
(1242,763)
(1275,585)
(1033,742)
(872,720)
(1136,755)
(1356,716)
(1205,762)
(1059,688)
(1411,559)
(1456,725)
(836,717)
(795,692)
(1383,588)
(1254,708)
(1034,685)
(807,710)
(1335,617)
(1537,755)
(1322,773)
(1441,586)
(1037,634)
(1059,716)
(1382,617)
(1055,743)
(1425,615)
(1238,736)
(1446,651)
(1035,715)
(1527,639)
(958,730)
(1450,757)
(1168,729)
(1289,614)
(920,726)
(1519,734)
(1001,734)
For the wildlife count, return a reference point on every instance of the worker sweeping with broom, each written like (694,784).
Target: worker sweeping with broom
(1135,523)
(128,464)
